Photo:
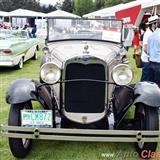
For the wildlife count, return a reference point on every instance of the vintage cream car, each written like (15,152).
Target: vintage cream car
(85,91)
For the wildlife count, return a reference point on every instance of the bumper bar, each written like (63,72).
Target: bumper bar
(80,134)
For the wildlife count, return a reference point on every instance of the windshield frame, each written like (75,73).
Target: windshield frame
(87,39)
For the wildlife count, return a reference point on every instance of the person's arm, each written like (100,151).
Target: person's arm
(145,48)
(141,41)
(148,49)
(145,42)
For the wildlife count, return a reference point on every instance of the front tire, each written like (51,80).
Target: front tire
(19,147)
(146,118)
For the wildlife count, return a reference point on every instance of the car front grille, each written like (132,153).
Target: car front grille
(84,96)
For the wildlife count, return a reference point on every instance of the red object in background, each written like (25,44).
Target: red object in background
(6,25)
(129,15)
(136,39)
(145,19)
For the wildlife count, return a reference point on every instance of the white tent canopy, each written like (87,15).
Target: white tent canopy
(147,5)
(60,13)
(25,13)
(106,12)
(110,12)
(3,14)
(29,13)
(133,12)
(144,4)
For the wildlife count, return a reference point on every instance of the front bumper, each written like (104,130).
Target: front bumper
(80,134)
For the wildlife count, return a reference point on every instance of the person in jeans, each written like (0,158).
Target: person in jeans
(154,54)
(146,74)
(34,30)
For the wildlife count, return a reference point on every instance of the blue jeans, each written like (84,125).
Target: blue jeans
(146,74)
(155,70)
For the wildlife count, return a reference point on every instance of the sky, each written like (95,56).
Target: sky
(53,2)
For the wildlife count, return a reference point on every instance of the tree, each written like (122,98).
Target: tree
(6,5)
(99,4)
(67,6)
(44,9)
(10,5)
(50,8)
(58,5)
(109,3)
(82,7)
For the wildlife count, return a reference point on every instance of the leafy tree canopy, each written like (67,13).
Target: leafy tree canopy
(67,6)
(82,7)
(34,5)
(109,3)
(79,7)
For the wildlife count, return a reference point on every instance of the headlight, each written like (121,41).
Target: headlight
(122,74)
(50,73)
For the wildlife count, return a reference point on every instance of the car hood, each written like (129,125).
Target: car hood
(64,51)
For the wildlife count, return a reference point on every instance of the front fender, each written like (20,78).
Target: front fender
(20,91)
(147,93)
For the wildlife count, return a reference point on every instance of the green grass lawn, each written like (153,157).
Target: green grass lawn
(59,150)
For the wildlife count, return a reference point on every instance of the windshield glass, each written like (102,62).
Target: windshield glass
(86,29)
(5,34)
(8,34)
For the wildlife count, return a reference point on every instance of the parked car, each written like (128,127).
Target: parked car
(16,47)
(85,84)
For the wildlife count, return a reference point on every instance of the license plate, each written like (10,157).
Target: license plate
(36,118)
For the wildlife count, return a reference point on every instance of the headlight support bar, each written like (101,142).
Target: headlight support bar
(83,80)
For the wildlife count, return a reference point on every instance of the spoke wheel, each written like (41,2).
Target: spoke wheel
(19,147)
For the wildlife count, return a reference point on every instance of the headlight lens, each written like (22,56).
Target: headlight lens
(122,74)
(50,73)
